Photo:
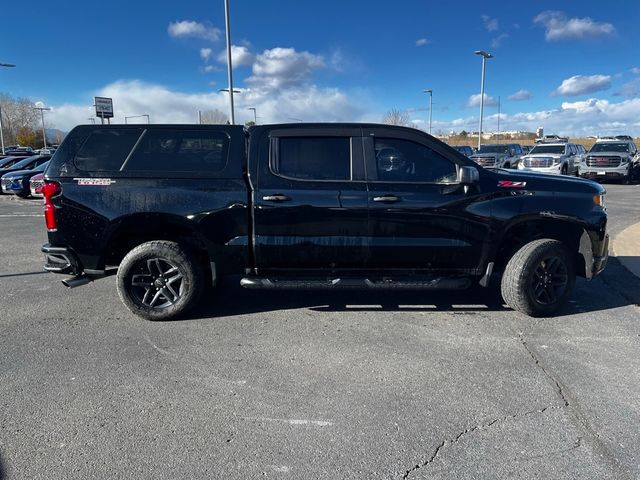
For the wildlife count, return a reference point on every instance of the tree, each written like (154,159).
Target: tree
(397,117)
(250,123)
(28,137)
(17,114)
(214,117)
(464,134)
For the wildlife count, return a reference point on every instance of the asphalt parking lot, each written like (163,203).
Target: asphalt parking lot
(314,385)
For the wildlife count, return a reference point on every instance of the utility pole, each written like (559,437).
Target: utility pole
(229,66)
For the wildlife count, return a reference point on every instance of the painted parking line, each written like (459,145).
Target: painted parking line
(21,214)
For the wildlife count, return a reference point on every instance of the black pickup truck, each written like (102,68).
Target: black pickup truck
(171,208)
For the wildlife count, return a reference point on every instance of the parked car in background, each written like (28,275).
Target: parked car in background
(498,156)
(25,163)
(611,160)
(6,162)
(551,139)
(20,151)
(464,149)
(35,185)
(554,158)
(17,183)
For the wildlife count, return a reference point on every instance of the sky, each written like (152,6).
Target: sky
(572,67)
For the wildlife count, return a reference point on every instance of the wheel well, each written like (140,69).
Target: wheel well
(134,232)
(521,234)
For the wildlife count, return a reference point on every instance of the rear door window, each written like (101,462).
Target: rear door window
(313,158)
(105,150)
(180,151)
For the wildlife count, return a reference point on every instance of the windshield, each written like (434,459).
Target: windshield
(548,149)
(41,168)
(494,149)
(7,162)
(610,147)
(24,163)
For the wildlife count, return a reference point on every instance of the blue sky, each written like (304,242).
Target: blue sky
(575,63)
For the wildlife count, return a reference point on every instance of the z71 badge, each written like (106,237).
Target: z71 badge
(510,184)
(94,181)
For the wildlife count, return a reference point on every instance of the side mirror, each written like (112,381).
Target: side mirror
(468,175)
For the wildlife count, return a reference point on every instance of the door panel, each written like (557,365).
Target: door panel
(427,225)
(311,210)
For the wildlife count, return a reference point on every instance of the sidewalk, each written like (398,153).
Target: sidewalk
(626,247)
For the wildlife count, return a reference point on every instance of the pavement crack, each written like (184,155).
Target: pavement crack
(453,440)
(554,380)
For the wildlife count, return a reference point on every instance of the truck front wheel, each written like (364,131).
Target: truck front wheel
(539,278)
(159,280)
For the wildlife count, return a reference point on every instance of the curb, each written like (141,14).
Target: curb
(626,248)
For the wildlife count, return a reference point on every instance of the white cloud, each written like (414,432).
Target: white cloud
(190,28)
(520,95)
(491,24)
(421,42)
(134,97)
(283,67)
(211,68)
(205,53)
(474,101)
(576,119)
(558,27)
(635,70)
(630,89)
(497,41)
(240,55)
(580,85)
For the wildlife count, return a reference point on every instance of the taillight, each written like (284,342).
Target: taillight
(50,190)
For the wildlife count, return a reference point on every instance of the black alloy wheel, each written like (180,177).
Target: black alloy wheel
(160,280)
(158,283)
(549,280)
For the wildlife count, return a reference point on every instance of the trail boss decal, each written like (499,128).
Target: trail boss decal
(510,184)
(94,181)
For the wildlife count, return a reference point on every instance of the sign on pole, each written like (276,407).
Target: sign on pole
(104,107)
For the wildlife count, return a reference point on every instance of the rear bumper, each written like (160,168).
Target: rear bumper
(61,260)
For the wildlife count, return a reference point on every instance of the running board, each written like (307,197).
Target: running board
(406,283)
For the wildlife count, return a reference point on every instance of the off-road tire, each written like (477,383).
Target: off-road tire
(520,279)
(177,261)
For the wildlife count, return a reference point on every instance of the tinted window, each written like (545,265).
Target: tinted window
(106,149)
(406,161)
(180,151)
(314,158)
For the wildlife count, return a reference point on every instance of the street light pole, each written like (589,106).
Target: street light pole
(44,135)
(255,115)
(8,65)
(137,116)
(229,66)
(430,92)
(484,55)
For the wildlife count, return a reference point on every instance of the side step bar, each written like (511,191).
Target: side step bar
(407,283)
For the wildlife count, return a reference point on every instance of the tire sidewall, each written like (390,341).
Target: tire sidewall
(172,253)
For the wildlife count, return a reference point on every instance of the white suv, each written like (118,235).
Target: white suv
(555,158)
(611,159)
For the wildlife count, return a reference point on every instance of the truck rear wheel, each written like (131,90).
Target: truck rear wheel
(159,280)
(539,278)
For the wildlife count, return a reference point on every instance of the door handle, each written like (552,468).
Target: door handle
(278,197)
(386,199)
